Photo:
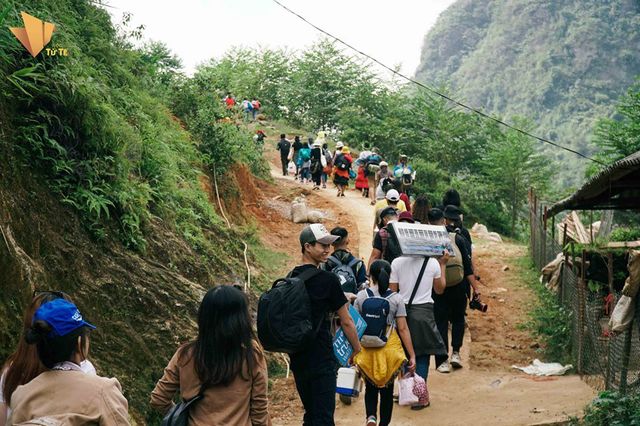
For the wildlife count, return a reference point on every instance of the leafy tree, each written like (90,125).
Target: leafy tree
(619,137)
(513,165)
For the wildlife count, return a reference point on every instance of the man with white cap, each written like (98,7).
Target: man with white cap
(381,175)
(392,199)
(314,369)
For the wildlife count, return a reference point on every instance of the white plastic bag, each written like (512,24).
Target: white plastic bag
(539,368)
(406,385)
(622,315)
(291,168)
(323,161)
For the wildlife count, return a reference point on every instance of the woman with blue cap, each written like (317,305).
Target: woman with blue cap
(64,394)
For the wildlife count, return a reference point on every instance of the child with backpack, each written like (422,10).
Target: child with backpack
(304,162)
(382,353)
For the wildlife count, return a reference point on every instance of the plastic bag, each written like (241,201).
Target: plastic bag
(622,315)
(539,368)
(291,168)
(406,385)
(420,390)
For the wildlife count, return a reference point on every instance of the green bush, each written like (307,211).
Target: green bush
(612,409)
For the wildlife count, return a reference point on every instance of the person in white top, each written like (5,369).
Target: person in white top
(415,278)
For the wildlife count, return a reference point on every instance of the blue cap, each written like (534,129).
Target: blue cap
(63,316)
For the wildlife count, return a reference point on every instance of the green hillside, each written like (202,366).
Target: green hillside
(560,64)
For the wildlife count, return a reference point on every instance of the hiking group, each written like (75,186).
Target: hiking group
(313,161)
(407,303)
(250,109)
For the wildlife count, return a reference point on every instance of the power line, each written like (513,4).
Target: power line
(442,95)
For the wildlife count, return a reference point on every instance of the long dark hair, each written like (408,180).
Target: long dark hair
(451,197)
(23,365)
(420,210)
(380,272)
(225,342)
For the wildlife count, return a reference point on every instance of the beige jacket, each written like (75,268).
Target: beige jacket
(242,403)
(69,398)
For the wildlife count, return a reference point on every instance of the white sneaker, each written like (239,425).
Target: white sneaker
(456,361)
(444,367)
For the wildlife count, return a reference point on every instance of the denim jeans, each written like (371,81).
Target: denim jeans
(317,389)
(422,366)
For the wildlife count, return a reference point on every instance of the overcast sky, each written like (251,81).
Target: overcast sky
(196,30)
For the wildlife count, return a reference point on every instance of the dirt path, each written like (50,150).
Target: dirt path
(487,391)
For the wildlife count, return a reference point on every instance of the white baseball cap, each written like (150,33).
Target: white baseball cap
(339,145)
(393,195)
(383,164)
(316,232)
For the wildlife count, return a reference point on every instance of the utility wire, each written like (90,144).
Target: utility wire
(442,95)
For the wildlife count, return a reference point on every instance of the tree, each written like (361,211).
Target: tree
(513,165)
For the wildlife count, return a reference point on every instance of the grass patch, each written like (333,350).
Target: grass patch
(549,321)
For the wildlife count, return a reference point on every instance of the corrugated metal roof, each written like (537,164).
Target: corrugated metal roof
(615,187)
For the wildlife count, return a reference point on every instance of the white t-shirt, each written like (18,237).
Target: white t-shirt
(405,271)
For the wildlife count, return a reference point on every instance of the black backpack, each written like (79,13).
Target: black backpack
(179,414)
(345,273)
(285,323)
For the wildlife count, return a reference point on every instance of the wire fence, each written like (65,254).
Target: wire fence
(604,360)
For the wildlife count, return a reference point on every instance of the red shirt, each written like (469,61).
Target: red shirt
(404,197)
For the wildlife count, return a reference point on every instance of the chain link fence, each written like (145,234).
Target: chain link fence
(604,360)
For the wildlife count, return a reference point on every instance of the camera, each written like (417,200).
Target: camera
(476,304)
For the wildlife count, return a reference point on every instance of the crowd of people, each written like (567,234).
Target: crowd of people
(222,374)
(313,162)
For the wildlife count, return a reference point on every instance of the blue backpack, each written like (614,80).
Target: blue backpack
(375,310)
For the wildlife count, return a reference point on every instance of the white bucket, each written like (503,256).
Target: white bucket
(348,382)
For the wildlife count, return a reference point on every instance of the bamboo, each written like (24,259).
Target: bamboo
(581,313)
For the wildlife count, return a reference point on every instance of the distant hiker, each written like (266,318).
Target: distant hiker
(247,108)
(304,161)
(379,365)
(381,175)
(284,146)
(62,394)
(371,168)
(224,364)
(255,107)
(362,184)
(297,146)
(327,170)
(341,170)
(230,101)
(451,305)
(23,365)
(384,247)
(417,279)
(338,151)
(420,210)
(405,174)
(349,269)
(314,369)
(392,199)
(317,161)
(259,137)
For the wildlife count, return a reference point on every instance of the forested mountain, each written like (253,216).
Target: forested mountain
(561,64)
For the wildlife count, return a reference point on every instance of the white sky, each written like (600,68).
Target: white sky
(196,30)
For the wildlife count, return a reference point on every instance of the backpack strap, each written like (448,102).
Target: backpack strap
(418,281)
(306,275)
(335,260)
(353,262)
(369,293)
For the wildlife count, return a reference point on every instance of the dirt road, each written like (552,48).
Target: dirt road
(487,391)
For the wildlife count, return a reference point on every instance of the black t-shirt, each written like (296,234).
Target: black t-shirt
(297,145)
(391,251)
(284,146)
(326,297)
(465,250)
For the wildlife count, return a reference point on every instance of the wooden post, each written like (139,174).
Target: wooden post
(582,293)
(553,228)
(564,264)
(625,359)
(591,225)
(544,237)
(609,377)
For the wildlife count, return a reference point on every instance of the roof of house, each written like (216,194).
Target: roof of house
(616,187)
